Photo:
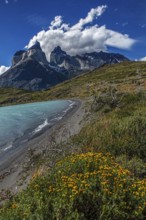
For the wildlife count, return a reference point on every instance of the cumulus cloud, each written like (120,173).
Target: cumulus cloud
(56,22)
(143,59)
(92,14)
(82,37)
(6,1)
(3,69)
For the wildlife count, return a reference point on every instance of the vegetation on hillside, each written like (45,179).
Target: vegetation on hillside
(126,76)
(107,178)
(84,186)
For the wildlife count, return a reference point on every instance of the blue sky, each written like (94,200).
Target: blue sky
(24,21)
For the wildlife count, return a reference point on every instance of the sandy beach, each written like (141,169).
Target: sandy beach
(18,168)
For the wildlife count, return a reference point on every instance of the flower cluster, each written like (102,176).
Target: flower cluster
(83,186)
(100,177)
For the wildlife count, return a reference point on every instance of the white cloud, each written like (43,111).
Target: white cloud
(143,59)
(3,69)
(6,1)
(56,22)
(118,40)
(82,37)
(92,14)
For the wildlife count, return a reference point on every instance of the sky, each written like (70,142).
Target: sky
(78,26)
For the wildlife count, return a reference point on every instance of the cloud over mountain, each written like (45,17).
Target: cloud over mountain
(3,69)
(82,37)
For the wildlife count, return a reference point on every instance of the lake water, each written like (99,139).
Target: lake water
(21,122)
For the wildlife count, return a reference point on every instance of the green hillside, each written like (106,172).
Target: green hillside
(106,179)
(126,76)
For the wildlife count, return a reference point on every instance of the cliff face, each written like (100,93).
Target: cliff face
(35,53)
(79,63)
(31,71)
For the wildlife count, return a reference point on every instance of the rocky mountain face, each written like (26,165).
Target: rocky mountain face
(61,59)
(30,69)
(34,53)
(82,63)
(79,63)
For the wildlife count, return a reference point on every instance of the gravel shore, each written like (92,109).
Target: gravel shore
(13,168)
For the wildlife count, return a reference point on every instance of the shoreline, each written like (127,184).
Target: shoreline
(12,169)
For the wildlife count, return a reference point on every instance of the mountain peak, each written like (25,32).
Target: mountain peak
(35,52)
(36,46)
(101,52)
(19,52)
(58,50)
(31,70)
(57,56)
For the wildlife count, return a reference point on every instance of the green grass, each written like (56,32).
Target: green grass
(126,76)
(108,179)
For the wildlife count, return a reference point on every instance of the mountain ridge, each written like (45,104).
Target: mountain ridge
(85,62)
(30,69)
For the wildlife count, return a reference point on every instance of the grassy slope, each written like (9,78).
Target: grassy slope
(83,86)
(94,185)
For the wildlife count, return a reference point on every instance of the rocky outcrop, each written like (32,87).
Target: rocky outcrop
(17,57)
(79,63)
(35,53)
(61,59)
(31,71)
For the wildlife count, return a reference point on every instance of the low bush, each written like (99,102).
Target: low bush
(115,136)
(84,186)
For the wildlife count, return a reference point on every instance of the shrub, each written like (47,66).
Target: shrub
(135,165)
(84,186)
(116,136)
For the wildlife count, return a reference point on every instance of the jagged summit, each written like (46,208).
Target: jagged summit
(30,69)
(79,63)
(35,52)
(58,50)
(36,46)
(19,52)
(57,56)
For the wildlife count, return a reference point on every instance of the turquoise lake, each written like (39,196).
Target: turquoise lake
(21,122)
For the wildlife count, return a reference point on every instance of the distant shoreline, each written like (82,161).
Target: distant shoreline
(12,162)
(9,146)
